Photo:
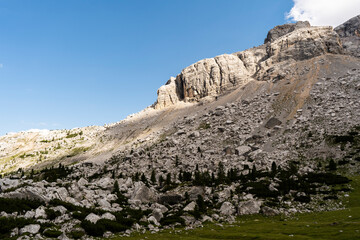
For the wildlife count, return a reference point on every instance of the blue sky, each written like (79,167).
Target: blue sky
(73,63)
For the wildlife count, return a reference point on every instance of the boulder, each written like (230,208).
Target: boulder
(227,209)
(267,211)
(29,214)
(153,220)
(170,198)
(195,191)
(103,203)
(93,218)
(272,122)
(40,212)
(7,183)
(62,193)
(82,182)
(105,183)
(242,150)
(157,213)
(249,207)
(32,229)
(190,207)
(108,216)
(143,193)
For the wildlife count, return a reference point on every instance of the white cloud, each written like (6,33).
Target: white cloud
(324,12)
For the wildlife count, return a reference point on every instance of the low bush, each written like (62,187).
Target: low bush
(18,205)
(52,233)
(7,224)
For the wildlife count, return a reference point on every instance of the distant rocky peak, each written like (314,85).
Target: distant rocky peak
(281,30)
(349,28)
(349,33)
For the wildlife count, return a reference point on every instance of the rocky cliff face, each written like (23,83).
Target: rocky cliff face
(213,76)
(281,30)
(349,33)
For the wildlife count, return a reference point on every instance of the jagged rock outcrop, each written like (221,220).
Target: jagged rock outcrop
(281,30)
(301,44)
(349,33)
(167,94)
(208,77)
(285,43)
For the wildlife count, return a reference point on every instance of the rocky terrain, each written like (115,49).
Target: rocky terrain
(272,130)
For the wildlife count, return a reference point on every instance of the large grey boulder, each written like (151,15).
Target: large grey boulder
(157,213)
(249,207)
(7,183)
(31,193)
(108,216)
(103,203)
(143,193)
(190,207)
(32,229)
(40,212)
(241,150)
(227,209)
(93,218)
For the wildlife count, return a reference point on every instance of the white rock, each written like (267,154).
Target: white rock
(93,218)
(82,182)
(249,207)
(40,212)
(108,216)
(227,209)
(190,207)
(103,203)
(32,228)
(153,220)
(242,150)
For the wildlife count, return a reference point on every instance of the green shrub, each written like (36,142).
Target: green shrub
(18,205)
(96,230)
(76,234)
(51,214)
(52,233)
(7,224)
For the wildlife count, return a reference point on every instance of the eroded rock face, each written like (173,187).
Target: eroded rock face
(212,76)
(208,77)
(349,33)
(167,94)
(281,30)
(285,44)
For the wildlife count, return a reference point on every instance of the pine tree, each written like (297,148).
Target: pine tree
(332,165)
(221,173)
(153,177)
(176,160)
(143,178)
(168,179)
(273,169)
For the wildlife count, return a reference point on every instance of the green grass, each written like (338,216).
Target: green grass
(340,224)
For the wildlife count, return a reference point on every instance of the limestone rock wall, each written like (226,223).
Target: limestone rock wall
(284,45)
(212,76)
(281,30)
